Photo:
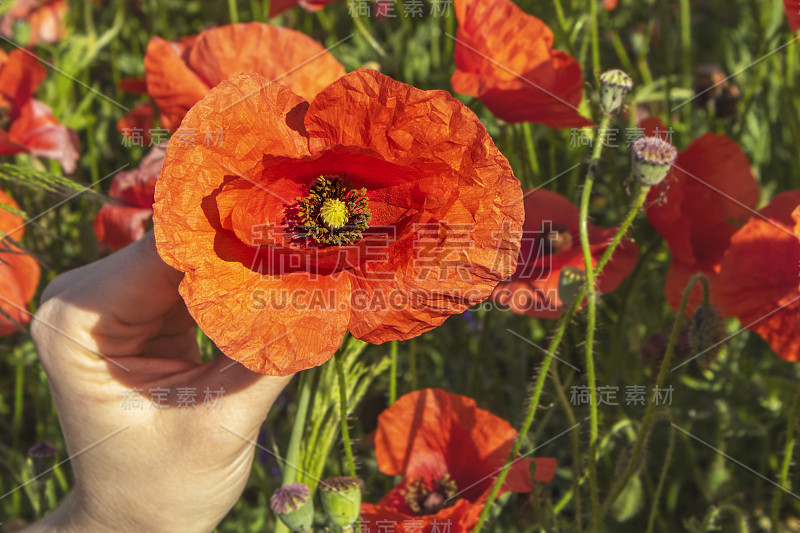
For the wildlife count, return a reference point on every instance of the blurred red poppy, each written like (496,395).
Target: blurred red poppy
(758,275)
(709,193)
(137,125)
(376,208)
(119,224)
(610,4)
(180,73)
(26,124)
(448,452)
(46,20)
(276,7)
(505,57)
(19,272)
(792,8)
(550,242)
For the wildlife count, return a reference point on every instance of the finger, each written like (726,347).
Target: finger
(133,285)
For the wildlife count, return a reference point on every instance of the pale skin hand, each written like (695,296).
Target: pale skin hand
(170,469)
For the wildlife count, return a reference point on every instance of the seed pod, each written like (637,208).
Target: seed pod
(652,159)
(43,457)
(706,331)
(341,499)
(614,86)
(294,507)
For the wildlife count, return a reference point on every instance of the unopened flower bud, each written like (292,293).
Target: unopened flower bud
(614,86)
(294,507)
(43,457)
(652,159)
(706,331)
(341,499)
(570,283)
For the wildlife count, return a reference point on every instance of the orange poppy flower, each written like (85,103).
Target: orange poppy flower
(550,242)
(758,280)
(505,57)
(26,124)
(709,193)
(448,452)
(179,74)
(118,225)
(283,255)
(46,20)
(792,13)
(610,4)
(19,272)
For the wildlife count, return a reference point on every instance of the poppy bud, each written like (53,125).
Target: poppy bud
(570,283)
(341,499)
(706,331)
(614,86)
(294,507)
(652,159)
(42,455)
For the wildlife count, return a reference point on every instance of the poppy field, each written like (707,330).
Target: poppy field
(531,266)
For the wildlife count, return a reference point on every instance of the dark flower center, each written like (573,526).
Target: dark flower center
(333,213)
(430,497)
(5,116)
(556,240)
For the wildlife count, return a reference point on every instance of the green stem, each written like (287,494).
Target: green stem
(392,372)
(576,449)
(296,439)
(591,313)
(686,54)
(362,28)
(661,481)
(561,328)
(531,147)
(787,460)
(233,10)
(647,422)
(348,448)
(595,36)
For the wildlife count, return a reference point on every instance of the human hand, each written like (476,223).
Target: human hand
(117,325)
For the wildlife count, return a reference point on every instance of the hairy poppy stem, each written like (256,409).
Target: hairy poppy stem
(661,481)
(595,35)
(392,373)
(555,341)
(788,450)
(591,315)
(348,448)
(647,422)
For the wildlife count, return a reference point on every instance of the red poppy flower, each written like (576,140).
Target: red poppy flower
(709,193)
(448,452)
(505,57)
(758,280)
(550,242)
(610,4)
(137,124)
(181,73)
(19,272)
(26,124)
(277,7)
(118,225)
(46,20)
(283,255)
(792,9)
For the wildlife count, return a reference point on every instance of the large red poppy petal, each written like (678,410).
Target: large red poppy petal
(279,54)
(766,303)
(41,133)
(792,13)
(117,226)
(712,171)
(504,56)
(20,76)
(472,193)
(170,82)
